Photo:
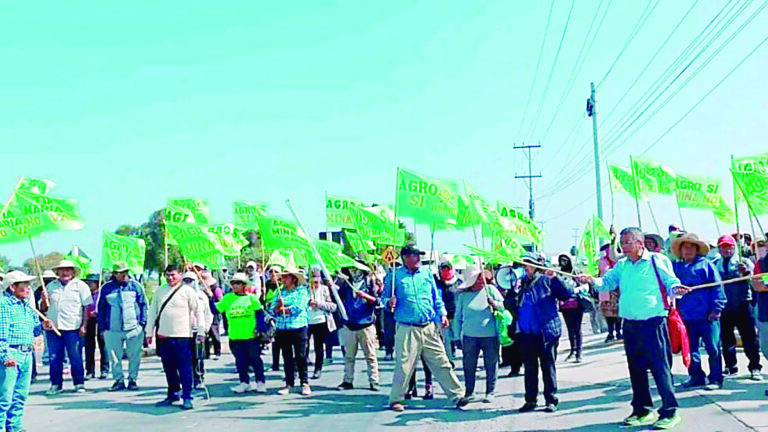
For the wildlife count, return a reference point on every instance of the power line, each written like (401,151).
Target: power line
(551,70)
(536,71)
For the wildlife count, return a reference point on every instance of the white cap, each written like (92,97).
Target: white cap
(16,277)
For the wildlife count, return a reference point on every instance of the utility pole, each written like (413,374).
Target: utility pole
(530,176)
(592,112)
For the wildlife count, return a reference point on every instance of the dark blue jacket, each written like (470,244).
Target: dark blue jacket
(546,292)
(132,300)
(698,304)
(360,313)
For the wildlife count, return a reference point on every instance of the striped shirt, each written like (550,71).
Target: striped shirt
(297,300)
(19,324)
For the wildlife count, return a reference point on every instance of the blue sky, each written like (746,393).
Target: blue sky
(125,105)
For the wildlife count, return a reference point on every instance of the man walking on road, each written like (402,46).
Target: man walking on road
(418,309)
(122,315)
(175,314)
(646,335)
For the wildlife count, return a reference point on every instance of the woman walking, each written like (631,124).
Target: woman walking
(573,313)
(476,323)
(321,322)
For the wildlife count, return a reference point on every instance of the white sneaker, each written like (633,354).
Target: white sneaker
(285,390)
(755,375)
(80,388)
(306,390)
(259,387)
(241,388)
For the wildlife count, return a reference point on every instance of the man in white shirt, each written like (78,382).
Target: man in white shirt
(175,315)
(65,300)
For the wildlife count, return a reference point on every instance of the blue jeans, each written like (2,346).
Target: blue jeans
(69,341)
(14,388)
(176,356)
(472,347)
(247,355)
(708,332)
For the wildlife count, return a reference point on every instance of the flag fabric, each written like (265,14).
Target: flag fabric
(29,214)
(332,256)
(246,214)
(187,210)
(595,235)
(123,249)
(653,177)
(427,200)
(723,212)
(751,177)
(519,224)
(282,258)
(479,211)
(279,234)
(196,244)
(357,242)
(702,193)
(378,224)
(337,211)
(83,263)
(230,238)
(35,185)
(621,180)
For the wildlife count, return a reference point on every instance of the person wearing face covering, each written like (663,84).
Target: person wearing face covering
(573,313)
(447,282)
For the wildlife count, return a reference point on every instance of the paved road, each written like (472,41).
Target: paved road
(594,396)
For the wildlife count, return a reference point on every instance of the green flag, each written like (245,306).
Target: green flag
(187,210)
(283,259)
(279,234)
(357,242)
(196,244)
(621,180)
(519,224)
(428,200)
(83,263)
(653,177)
(123,249)
(29,214)
(35,185)
(378,224)
(702,193)
(230,238)
(751,177)
(246,214)
(479,210)
(723,212)
(595,235)
(337,211)
(332,256)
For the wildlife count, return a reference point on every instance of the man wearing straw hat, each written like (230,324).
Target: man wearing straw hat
(700,309)
(418,310)
(68,298)
(19,324)
(122,315)
(540,329)
(646,334)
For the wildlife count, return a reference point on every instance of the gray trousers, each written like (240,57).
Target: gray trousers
(129,342)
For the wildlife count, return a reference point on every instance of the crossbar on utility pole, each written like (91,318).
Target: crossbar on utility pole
(592,112)
(530,176)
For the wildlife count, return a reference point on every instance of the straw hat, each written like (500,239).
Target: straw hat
(66,264)
(692,238)
(239,277)
(297,273)
(471,275)
(16,277)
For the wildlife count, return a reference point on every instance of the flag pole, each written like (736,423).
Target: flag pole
(679,211)
(749,205)
(717,224)
(46,301)
(736,207)
(334,288)
(610,187)
(637,193)
(653,216)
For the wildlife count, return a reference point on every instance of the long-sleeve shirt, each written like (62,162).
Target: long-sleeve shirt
(19,324)
(360,313)
(297,300)
(640,292)
(181,315)
(737,293)
(473,314)
(699,303)
(418,299)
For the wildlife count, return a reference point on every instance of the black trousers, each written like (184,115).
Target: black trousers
(213,340)
(293,345)
(511,355)
(92,338)
(198,362)
(614,325)
(573,319)
(389,328)
(647,346)
(743,320)
(427,377)
(537,353)
(319,334)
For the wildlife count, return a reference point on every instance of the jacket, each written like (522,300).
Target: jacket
(322,295)
(545,292)
(737,293)
(129,297)
(761,268)
(360,313)
(449,295)
(699,303)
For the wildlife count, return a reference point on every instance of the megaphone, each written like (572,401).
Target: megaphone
(507,277)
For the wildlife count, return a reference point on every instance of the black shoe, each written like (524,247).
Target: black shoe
(117,386)
(166,402)
(275,369)
(345,386)
(693,383)
(89,376)
(527,407)
(729,372)
(609,338)
(103,375)
(514,373)
(409,394)
(132,386)
(462,402)
(374,386)
(550,408)
(619,336)
(317,375)
(429,395)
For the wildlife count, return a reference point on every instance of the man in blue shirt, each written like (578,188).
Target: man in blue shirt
(646,335)
(700,309)
(19,325)
(418,307)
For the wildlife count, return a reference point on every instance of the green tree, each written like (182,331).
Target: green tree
(46,262)
(5,263)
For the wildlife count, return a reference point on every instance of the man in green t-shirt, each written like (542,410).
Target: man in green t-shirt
(242,310)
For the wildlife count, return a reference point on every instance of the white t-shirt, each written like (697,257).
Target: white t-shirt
(67,303)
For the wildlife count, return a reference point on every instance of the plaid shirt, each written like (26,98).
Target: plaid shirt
(297,300)
(19,324)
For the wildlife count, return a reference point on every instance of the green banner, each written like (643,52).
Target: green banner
(621,180)
(187,210)
(337,211)
(653,177)
(230,238)
(130,251)
(357,242)
(35,185)
(519,224)
(196,244)
(29,214)
(595,235)
(279,234)
(332,256)
(751,177)
(378,224)
(246,214)
(697,192)
(428,200)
